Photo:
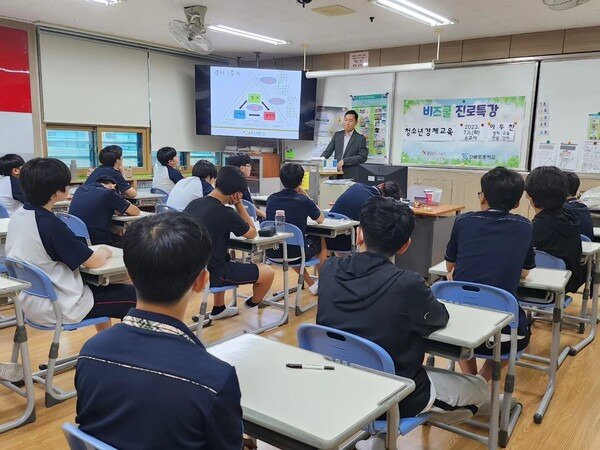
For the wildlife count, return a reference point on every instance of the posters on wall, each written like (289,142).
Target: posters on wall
(593,128)
(373,123)
(469,132)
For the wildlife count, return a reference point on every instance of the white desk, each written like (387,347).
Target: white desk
(112,271)
(62,206)
(591,257)
(125,220)
(260,200)
(144,198)
(459,341)
(3,230)
(331,228)
(554,282)
(322,408)
(597,232)
(8,287)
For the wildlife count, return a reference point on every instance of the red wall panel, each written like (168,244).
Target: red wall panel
(15,90)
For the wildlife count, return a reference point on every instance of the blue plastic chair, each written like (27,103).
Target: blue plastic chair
(78,440)
(76,225)
(4,213)
(41,286)
(584,238)
(163,207)
(349,349)
(165,194)
(298,240)
(250,208)
(200,318)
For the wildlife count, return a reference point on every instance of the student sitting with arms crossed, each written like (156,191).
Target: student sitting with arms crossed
(298,207)
(37,236)
(244,163)
(95,204)
(11,195)
(148,382)
(494,247)
(220,221)
(581,211)
(166,176)
(368,295)
(351,202)
(111,160)
(198,185)
(555,228)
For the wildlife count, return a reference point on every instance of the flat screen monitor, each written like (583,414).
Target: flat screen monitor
(259,103)
(374,174)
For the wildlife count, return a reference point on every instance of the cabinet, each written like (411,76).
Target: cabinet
(264,177)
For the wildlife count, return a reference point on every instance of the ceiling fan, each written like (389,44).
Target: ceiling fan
(191,34)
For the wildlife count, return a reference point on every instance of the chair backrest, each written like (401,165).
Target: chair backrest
(250,208)
(163,207)
(4,213)
(475,294)
(343,347)
(78,440)
(41,286)
(165,194)
(296,239)
(75,224)
(547,261)
(338,216)
(584,238)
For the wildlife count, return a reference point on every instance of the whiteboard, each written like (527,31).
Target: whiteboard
(336,91)
(568,92)
(510,80)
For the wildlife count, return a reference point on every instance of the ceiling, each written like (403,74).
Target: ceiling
(147,20)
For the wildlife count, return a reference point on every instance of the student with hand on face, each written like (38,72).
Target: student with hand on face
(198,185)
(11,195)
(244,163)
(111,160)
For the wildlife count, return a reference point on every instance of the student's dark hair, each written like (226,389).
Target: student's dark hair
(547,187)
(231,180)
(165,154)
(386,225)
(573,183)
(9,162)
(503,188)
(105,179)
(391,189)
(291,175)
(203,169)
(352,112)
(41,177)
(239,160)
(110,154)
(164,254)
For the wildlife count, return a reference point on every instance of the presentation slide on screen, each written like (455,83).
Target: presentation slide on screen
(255,102)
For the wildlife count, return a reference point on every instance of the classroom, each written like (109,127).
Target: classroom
(299,224)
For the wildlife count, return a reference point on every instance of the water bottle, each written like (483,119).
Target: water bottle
(73,169)
(280,221)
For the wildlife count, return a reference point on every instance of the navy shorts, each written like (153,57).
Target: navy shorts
(341,243)
(114,300)
(233,274)
(312,247)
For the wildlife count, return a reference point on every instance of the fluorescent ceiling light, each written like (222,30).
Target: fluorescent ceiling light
(247,34)
(106,2)
(370,70)
(414,12)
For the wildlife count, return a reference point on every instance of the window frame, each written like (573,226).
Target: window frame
(146,157)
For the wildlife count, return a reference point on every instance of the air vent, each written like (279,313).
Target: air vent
(334,10)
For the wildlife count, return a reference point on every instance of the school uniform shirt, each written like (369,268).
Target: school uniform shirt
(149,383)
(586,226)
(367,295)
(220,221)
(247,196)
(95,205)
(165,178)
(110,171)
(492,247)
(185,191)
(353,199)
(11,195)
(556,232)
(37,236)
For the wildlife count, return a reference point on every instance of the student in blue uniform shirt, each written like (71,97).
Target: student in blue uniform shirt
(111,160)
(351,202)
(148,382)
(244,163)
(95,204)
(494,247)
(586,226)
(198,185)
(298,207)
(166,176)
(11,195)
(37,236)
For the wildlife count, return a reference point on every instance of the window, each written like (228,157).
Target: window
(131,141)
(68,145)
(194,157)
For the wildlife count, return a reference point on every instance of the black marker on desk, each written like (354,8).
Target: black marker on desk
(309,366)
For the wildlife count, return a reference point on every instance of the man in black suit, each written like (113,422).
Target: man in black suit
(349,146)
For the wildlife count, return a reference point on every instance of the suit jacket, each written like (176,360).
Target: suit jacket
(356,150)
